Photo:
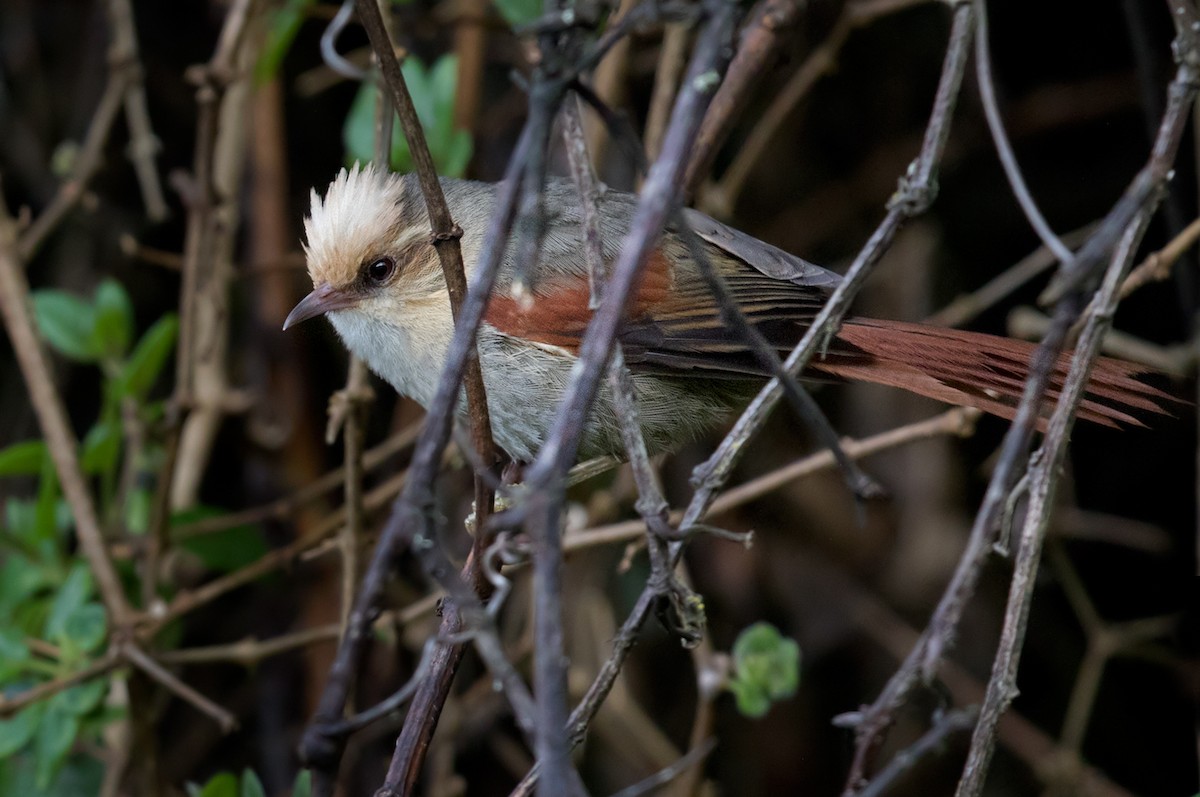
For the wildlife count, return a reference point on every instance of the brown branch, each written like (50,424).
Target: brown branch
(143,144)
(963,309)
(916,191)
(11,704)
(444,236)
(768,29)
(225,720)
(671,62)
(56,427)
(87,162)
(1045,467)
(212,81)
(959,422)
(721,197)
(285,506)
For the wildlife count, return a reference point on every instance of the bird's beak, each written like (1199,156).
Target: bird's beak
(323,298)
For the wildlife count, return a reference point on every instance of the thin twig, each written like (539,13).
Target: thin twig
(547,474)
(959,422)
(445,234)
(87,162)
(671,62)
(138,658)
(413,509)
(1046,465)
(913,196)
(720,198)
(56,427)
(1008,159)
(963,309)
(143,144)
(667,774)
(761,39)
(12,703)
(944,727)
(1124,223)
(285,506)
(212,82)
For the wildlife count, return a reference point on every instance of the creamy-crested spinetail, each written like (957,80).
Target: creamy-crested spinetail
(378,278)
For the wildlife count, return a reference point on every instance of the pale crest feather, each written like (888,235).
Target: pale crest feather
(359,218)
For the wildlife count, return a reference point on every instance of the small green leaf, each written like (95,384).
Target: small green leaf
(766,668)
(358,131)
(79,700)
(114,319)
(519,12)
(456,154)
(101,447)
(55,735)
(23,459)
(46,513)
(20,579)
(68,324)
(285,24)
(148,358)
(138,507)
(223,551)
(86,627)
(13,653)
(16,732)
(251,785)
(72,595)
(433,95)
(222,784)
(303,785)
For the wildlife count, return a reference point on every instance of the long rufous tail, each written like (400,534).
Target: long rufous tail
(982,371)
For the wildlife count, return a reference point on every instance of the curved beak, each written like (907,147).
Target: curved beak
(323,298)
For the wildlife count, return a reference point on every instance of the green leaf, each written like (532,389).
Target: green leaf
(148,358)
(16,732)
(114,319)
(67,323)
(20,579)
(46,512)
(303,785)
(285,24)
(519,12)
(79,700)
(251,785)
(13,653)
(358,131)
(433,92)
(55,735)
(86,627)
(72,595)
(223,551)
(23,459)
(456,153)
(222,784)
(766,668)
(101,448)
(138,507)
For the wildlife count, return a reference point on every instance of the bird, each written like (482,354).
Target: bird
(377,278)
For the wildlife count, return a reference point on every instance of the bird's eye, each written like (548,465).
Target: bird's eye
(381,270)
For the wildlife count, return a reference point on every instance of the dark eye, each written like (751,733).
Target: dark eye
(381,269)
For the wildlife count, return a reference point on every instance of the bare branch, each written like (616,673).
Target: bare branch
(52,418)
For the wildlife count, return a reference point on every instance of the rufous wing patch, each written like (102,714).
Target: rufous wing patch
(559,313)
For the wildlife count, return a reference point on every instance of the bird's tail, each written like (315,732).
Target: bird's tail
(982,371)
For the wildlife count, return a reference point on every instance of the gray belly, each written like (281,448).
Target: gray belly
(525,388)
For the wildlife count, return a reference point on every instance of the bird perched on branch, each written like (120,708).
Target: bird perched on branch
(378,279)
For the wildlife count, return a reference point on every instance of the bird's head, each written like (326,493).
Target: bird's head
(368,248)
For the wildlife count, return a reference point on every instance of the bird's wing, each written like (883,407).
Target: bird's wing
(686,332)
